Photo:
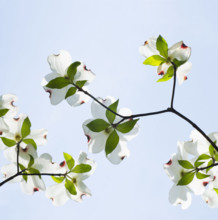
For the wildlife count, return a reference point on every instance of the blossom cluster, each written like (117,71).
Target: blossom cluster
(194,170)
(157,53)
(19,144)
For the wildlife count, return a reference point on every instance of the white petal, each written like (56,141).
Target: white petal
(10,170)
(182,71)
(211,198)
(96,140)
(57,193)
(33,184)
(119,153)
(3,126)
(179,51)
(99,111)
(163,68)
(7,101)
(39,136)
(55,95)
(84,74)
(59,63)
(78,98)
(180,195)
(149,48)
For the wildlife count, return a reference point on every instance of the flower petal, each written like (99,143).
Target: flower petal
(119,153)
(149,48)
(182,71)
(59,63)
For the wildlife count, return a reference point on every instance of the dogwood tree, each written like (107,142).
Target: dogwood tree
(193,169)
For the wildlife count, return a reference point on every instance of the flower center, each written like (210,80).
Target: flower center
(17,137)
(108,130)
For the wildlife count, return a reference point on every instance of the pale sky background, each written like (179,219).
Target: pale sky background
(106,34)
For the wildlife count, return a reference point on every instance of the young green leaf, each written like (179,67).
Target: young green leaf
(69,160)
(203,157)
(178,62)
(126,126)
(82,168)
(169,74)
(197,163)
(58,83)
(70,187)
(112,142)
(110,115)
(30,141)
(209,164)
(25,129)
(216,157)
(81,83)
(8,142)
(154,60)
(162,46)
(185,164)
(98,125)
(33,170)
(31,162)
(71,91)
(186,179)
(212,151)
(3,112)
(201,175)
(72,69)
(22,167)
(58,179)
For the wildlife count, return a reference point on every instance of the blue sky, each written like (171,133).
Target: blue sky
(106,36)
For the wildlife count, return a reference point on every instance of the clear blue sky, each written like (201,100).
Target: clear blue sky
(106,34)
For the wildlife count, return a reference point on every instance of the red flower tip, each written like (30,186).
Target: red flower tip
(183,46)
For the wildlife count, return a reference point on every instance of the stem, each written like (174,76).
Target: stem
(195,126)
(11,178)
(91,96)
(174,85)
(18,151)
(43,174)
(204,168)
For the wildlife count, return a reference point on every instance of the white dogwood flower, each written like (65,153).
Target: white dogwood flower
(71,186)
(104,134)
(66,74)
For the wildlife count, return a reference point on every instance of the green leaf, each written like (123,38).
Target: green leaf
(216,190)
(98,125)
(168,75)
(81,83)
(203,157)
(22,167)
(112,142)
(209,164)
(70,187)
(30,141)
(110,115)
(197,163)
(58,83)
(33,170)
(82,168)
(201,175)
(71,91)
(216,157)
(186,179)
(25,177)
(126,126)
(178,62)
(58,179)
(212,151)
(154,60)
(72,69)
(8,142)
(162,46)
(3,112)
(31,162)
(69,160)
(186,164)
(25,130)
